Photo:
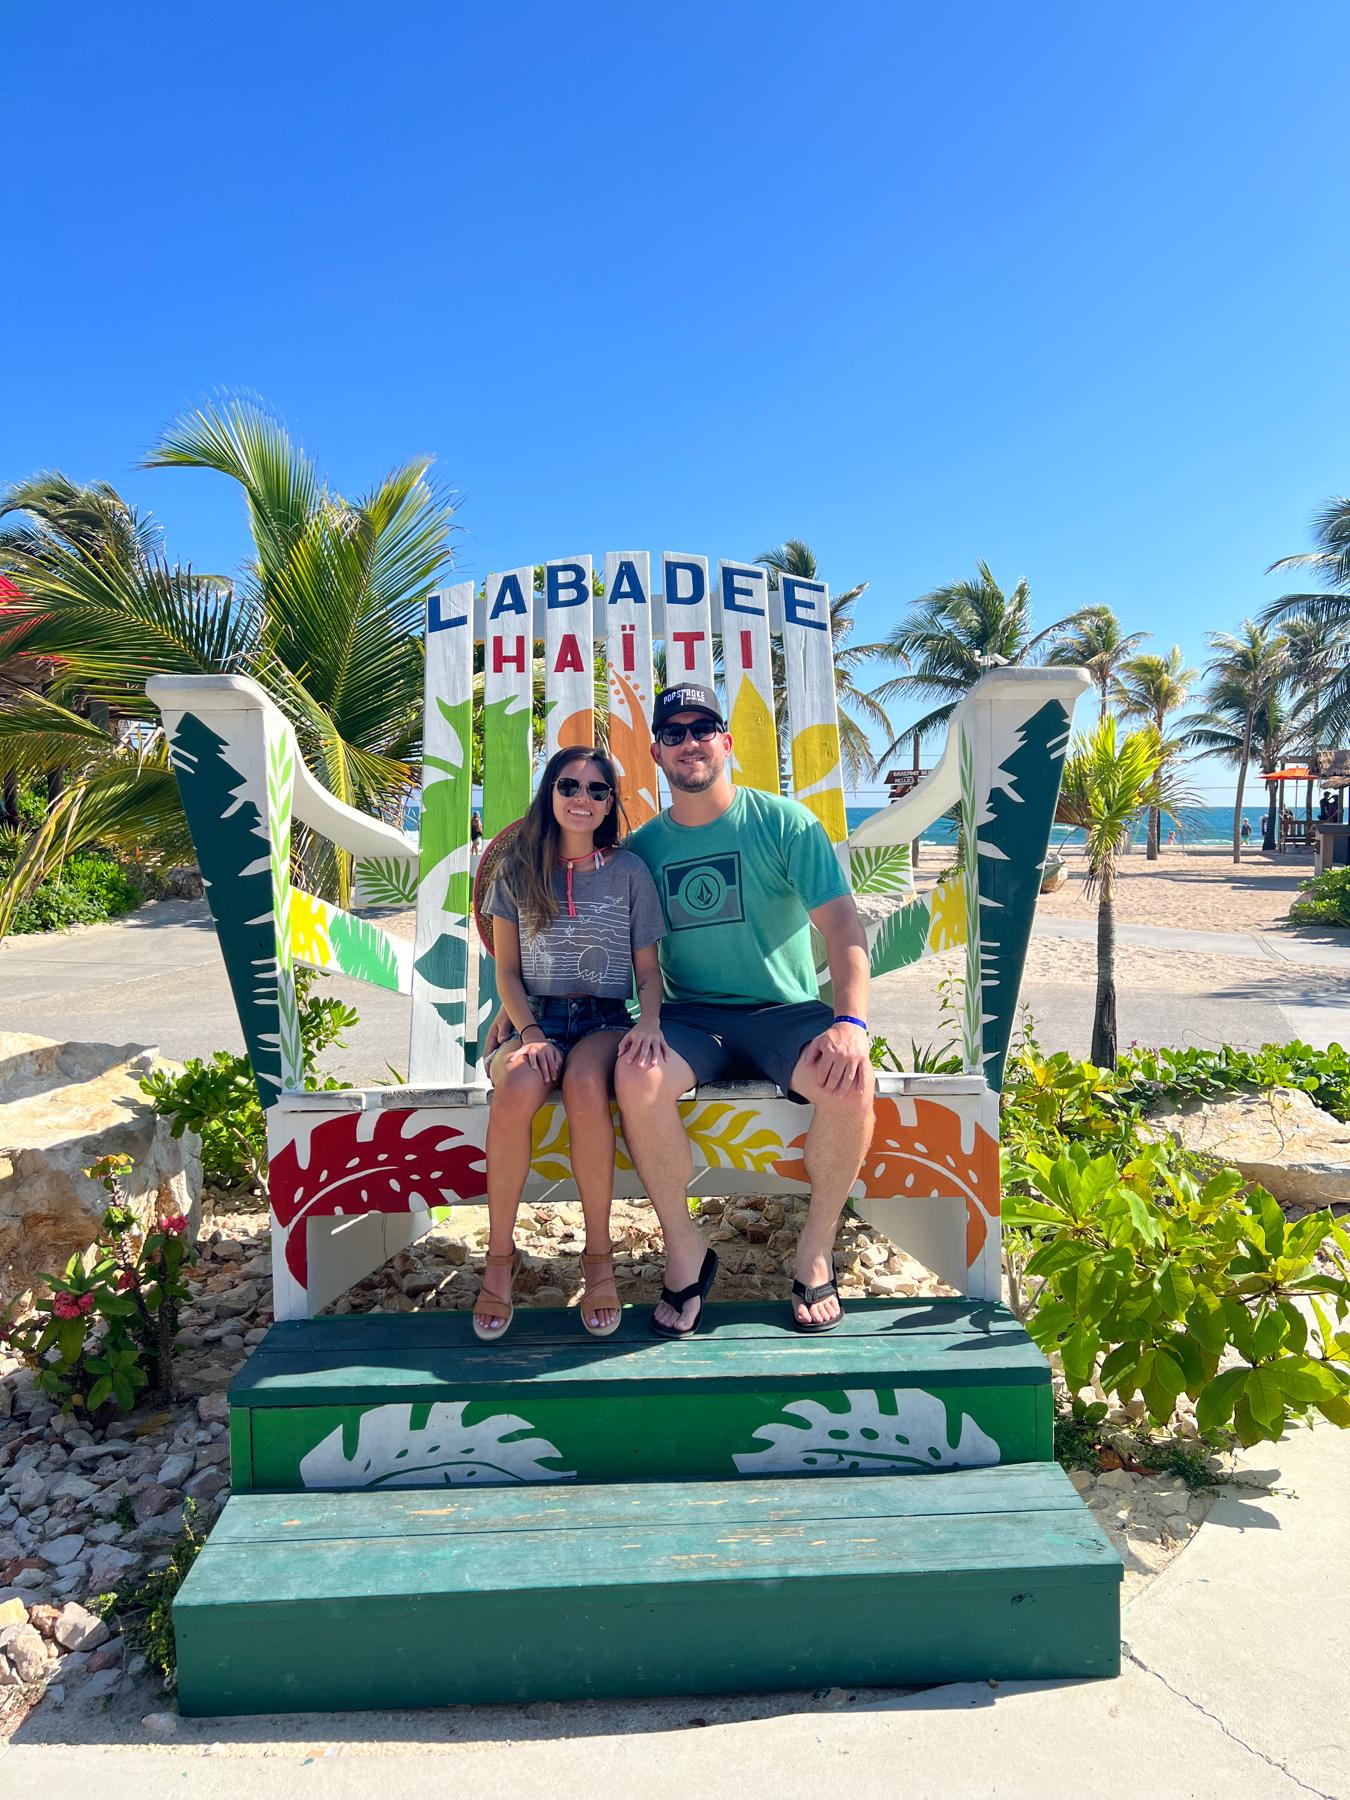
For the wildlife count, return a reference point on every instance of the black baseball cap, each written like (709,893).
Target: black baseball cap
(689,698)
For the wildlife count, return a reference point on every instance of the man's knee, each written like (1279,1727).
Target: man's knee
(659,1084)
(854,1102)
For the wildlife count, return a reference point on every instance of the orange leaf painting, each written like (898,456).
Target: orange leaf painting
(629,748)
(577,728)
(924,1148)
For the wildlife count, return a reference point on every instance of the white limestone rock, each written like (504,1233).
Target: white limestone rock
(61,1107)
(1280,1139)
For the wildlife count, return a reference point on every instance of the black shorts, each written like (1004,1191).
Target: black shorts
(736,1043)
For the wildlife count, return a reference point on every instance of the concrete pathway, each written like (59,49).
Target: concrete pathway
(157,978)
(1234,1685)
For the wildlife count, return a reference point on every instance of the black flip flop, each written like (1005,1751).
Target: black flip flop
(808,1297)
(678,1298)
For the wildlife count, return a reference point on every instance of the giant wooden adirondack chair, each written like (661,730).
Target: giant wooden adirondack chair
(698,1474)
(357,1175)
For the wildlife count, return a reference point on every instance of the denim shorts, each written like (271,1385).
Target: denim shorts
(566,1022)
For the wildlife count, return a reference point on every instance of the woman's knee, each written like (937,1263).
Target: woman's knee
(518,1090)
(586,1091)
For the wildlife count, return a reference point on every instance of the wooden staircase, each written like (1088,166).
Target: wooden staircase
(632,1517)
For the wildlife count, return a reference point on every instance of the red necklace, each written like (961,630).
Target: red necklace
(597,861)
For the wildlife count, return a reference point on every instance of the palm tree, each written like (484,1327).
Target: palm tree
(338,589)
(1329,610)
(326,616)
(794,557)
(1097,644)
(1107,784)
(1315,653)
(1241,705)
(952,636)
(1150,687)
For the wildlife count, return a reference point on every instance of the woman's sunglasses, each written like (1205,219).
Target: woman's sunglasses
(569,787)
(701,730)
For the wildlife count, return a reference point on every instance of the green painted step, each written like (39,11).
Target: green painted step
(317,1602)
(413,1399)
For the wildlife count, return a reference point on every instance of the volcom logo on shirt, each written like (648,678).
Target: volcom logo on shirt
(706,891)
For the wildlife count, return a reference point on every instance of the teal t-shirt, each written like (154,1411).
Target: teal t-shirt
(735,894)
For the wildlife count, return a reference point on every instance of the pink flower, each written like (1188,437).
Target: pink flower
(175,1223)
(85,1303)
(127,1279)
(66,1306)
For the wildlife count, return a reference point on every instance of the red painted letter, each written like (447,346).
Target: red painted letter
(747,650)
(569,654)
(504,659)
(688,639)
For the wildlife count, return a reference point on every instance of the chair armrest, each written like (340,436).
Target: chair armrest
(313,805)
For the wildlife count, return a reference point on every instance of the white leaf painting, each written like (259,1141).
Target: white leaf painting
(813,1439)
(445,1452)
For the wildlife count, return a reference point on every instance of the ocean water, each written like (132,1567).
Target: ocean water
(1200,825)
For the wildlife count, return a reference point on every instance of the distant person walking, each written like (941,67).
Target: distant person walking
(1247,827)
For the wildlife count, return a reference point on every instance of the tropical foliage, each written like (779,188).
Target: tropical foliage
(1328,610)
(858,710)
(1244,708)
(1096,643)
(326,616)
(953,635)
(1150,687)
(1108,781)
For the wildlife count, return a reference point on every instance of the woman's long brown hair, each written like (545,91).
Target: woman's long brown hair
(529,863)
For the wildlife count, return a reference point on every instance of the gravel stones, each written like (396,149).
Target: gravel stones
(78,1629)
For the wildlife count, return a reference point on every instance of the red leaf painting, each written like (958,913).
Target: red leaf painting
(349,1172)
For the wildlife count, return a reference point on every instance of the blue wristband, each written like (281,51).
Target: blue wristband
(848,1019)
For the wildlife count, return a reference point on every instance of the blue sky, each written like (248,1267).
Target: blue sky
(1057,286)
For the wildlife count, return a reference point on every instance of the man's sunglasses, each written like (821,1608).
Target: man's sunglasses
(701,730)
(568,786)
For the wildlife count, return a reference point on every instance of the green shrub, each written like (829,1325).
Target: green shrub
(104,1335)
(216,1097)
(1147,1282)
(86,889)
(1157,1078)
(1325,900)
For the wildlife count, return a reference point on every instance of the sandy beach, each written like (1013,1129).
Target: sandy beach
(1191,890)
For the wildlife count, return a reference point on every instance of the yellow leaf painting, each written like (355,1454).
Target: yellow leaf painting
(754,741)
(815,756)
(948,925)
(309,930)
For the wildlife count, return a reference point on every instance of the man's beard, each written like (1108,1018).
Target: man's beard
(699,778)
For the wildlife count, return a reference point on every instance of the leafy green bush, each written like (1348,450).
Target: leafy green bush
(1325,900)
(216,1097)
(1149,1283)
(1158,1078)
(86,889)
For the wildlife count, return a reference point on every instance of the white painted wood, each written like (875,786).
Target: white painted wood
(688,619)
(569,653)
(747,662)
(627,637)
(815,769)
(440,976)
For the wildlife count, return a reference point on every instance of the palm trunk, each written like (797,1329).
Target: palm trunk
(1270,841)
(1154,831)
(11,801)
(1104,1038)
(1242,782)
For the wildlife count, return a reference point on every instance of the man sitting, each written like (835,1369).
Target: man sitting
(742,876)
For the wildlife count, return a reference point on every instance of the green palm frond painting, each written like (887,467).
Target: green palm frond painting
(883,870)
(385,881)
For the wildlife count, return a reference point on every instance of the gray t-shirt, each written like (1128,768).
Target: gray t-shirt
(617,913)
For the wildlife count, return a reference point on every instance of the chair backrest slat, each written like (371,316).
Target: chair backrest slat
(441,960)
(808,656)
(688,619)
(747,662)
(627,647)
(569,655)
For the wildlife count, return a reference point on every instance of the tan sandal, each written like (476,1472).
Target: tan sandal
(490,1304)
(599,1293)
